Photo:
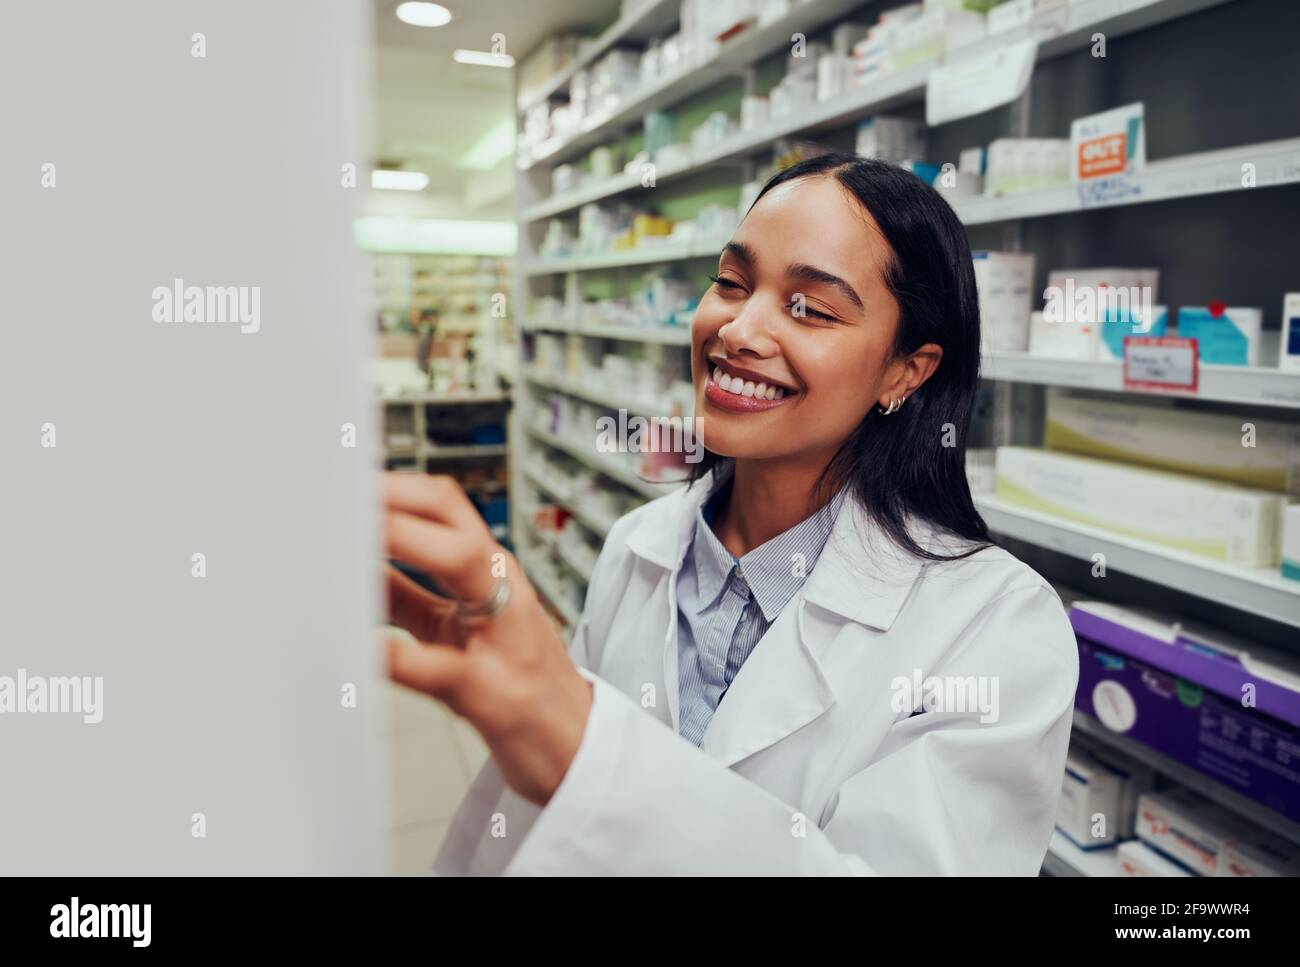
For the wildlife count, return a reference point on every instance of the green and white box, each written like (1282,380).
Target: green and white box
(1215,520)
(1202,444)
(1291,542)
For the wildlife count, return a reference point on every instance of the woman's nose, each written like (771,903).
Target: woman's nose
(753,331)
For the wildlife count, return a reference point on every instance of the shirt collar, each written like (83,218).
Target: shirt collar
(768,569)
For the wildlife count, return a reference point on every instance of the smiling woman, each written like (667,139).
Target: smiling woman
(730,701)
(850,285)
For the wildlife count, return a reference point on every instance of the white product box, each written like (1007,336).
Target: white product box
(1090,803)
(1188,828)
(1136,858)
(1017,13)
(1106,277)
(1004,281)
(1183,441)
(834,75)
(1114,300)
(890,139)
(1135,778)
(980,463)
(1289,353)
(1264,855)
(1291,542)
(1026,164)
(1216,520)
(1108,144)
(936,32)
(1225,335)
(753,112)
(1062,340)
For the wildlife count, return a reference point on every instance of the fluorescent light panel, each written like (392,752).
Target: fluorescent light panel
(398,180)
(482,58)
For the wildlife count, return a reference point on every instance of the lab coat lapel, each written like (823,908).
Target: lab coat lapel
(663,537)
(860,579)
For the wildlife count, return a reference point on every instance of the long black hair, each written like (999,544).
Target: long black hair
(912,462)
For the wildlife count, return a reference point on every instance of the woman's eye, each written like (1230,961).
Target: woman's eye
(722,283)
(803,309)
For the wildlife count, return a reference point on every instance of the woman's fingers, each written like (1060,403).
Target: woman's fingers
(426,616)
(436,670)
(459,561)
(435,497)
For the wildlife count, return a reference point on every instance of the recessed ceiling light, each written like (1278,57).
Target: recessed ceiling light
(398,180)
(419,14)
(482,58)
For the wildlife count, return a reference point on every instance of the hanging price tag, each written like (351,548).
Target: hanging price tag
(980,82)
(1160,364)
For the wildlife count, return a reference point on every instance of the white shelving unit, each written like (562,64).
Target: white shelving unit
(1262,593)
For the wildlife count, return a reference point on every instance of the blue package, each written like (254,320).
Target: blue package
(1120,322)
(1223,336)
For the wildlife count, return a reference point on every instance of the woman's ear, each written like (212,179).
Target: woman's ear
(911,372)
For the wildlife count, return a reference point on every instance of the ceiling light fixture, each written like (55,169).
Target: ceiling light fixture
(482,58)
(419,14)
(398,180)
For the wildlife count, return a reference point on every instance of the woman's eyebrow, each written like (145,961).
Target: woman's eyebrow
(741,251)
(809,273)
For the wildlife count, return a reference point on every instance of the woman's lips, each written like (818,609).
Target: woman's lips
(739,403)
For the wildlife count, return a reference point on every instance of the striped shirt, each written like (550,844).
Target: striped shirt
(725,604)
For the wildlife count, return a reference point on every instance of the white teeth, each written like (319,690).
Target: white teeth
(760,391)
(770,392)
(748,388)
(780,392)
(717,376)
(723,381)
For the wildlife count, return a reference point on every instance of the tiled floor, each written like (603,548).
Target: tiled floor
(434,757)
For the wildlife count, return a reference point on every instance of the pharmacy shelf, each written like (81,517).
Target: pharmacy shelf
(1066,859)
(1188,176)
(551,541)
(1260,591)
(653,18)
(432,452)
(1276,163)
(728,60)
(1248,385)
(1084,17)
(583,391)
(542,582)
(449,398)
(602,465)
(644,255)
(597,525)
(667,335)
(1196,781)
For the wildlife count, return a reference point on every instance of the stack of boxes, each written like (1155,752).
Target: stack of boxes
(1176,477)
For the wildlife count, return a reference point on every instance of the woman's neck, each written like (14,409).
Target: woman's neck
(766,499)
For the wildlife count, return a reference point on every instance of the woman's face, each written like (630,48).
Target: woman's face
(801,322)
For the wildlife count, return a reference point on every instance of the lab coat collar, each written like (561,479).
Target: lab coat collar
(861,575)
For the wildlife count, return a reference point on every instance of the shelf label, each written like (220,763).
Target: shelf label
(978,83)
(1160,364)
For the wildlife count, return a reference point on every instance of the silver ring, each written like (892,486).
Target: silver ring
(485,610)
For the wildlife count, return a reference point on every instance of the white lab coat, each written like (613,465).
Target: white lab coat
(810,765)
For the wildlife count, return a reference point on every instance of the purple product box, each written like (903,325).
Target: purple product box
(1148,679)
